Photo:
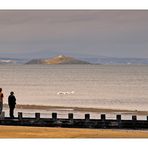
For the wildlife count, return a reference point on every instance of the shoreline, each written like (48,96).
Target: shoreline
(80,109)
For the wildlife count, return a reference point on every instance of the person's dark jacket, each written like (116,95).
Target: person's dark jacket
(11,101)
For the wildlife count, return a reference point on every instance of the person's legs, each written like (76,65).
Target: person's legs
(11,112)
(1,107)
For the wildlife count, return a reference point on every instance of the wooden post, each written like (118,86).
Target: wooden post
(20,115)
(86,121)
(118,118)
(87,116)
(37,115)
(54,116)
(103,118)
(70,116)
(2,115)
(134,118)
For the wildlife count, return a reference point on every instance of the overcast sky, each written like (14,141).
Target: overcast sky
(34,34)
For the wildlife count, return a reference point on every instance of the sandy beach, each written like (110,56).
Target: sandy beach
(46,132)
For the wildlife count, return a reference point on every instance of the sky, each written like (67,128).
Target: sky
(86,33)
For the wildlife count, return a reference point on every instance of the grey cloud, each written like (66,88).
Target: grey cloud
(119,33)
(20,17)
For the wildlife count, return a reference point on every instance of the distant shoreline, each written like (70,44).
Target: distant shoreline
(80,109)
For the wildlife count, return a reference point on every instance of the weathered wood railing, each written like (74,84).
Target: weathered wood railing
(71,122)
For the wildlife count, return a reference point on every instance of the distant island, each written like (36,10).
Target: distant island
(61,59)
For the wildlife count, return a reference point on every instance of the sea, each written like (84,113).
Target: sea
(123,87)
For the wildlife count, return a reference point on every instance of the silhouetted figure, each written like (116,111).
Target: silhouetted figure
(11,102)
(1,100)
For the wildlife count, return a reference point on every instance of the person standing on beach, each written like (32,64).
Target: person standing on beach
(1,100)
(12,103)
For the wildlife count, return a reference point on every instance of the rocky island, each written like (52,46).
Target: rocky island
(61,59)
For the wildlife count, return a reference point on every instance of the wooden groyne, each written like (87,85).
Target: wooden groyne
(71,122)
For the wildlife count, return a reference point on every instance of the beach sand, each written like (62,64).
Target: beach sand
(48,132)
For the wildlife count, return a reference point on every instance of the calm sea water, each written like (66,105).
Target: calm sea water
(96,86)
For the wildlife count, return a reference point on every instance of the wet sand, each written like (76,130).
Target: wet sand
(81,109)
(47,132)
